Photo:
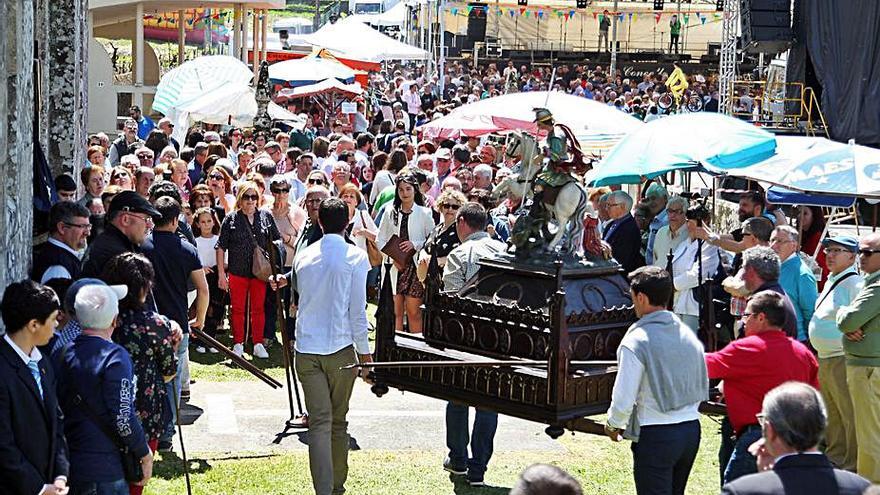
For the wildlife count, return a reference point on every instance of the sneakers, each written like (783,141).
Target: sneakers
(185,395)
(260,351)
(200,349)
(212,350)
(238,350)
(165,446)
(454,469)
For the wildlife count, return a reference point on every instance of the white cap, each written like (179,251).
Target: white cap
(96,306)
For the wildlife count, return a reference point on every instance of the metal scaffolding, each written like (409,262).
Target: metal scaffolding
(727,66)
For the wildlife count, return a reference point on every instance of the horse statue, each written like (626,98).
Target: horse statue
(565,206)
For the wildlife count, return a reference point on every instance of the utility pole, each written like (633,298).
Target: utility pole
(316,23)
(612,70)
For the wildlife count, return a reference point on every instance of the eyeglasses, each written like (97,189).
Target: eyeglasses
(868,252)
(836,250)
(762,418)
(674,211)
(250,197)
(281,191)
(450,207)
(609,205)
(746,315)
(314,200)
(146,219)
(84,226)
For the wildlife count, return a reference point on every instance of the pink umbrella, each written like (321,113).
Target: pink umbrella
(597,126)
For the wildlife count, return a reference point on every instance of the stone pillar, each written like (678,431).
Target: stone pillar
(16,138)
(66,94)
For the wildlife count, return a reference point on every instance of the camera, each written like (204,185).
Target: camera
(699,212)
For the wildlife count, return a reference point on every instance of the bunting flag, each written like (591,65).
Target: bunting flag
(522,11)
(470,9)
(657,18)
(571,14)
(601,17)
(540,14)
(512,13)
(635,16)
(566,16)
(702,18)
(687,19)
(454,10)
(527,13)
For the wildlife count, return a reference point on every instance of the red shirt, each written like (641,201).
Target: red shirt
(754,365)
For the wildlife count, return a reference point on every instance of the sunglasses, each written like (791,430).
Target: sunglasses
(250,197)
(451,207)
(316,181)
(216,176)
(280,191)
(144,155)
(868,252)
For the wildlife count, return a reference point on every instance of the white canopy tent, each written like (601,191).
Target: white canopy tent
(233,104)
(351,38)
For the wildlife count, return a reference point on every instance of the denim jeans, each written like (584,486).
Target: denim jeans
(741,461)
(118,487)
(663,457)
(481,439)
(174,386)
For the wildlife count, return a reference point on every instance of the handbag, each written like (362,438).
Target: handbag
(261,267)
(373,253)
(131,462)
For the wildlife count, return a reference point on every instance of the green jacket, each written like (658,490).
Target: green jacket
(864,313)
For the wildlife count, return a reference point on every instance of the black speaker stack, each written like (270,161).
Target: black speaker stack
(766,25)
(476,26)
(658,4)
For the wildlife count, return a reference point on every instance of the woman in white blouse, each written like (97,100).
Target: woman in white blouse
(360,224)
(412,222)
(686,275)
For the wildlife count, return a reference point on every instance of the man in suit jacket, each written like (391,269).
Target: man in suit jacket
(793,419)
(33,453)
(621,234)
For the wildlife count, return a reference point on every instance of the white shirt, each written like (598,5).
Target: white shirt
(686,271)
(413,101)
(58,271)
(35,353)
(631,387)
(362,221)
(297,188)
(207,248)
(331,278)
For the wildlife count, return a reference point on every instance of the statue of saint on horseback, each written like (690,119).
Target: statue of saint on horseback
(558,196)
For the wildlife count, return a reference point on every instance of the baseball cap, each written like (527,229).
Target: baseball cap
(70,298)
(133,202)
(443,154)
(846,241)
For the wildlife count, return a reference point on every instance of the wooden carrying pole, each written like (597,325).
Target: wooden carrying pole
(480,364)
(240,361)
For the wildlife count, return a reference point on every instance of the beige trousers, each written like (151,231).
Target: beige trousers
(327,390)
(840,436)
(864,389)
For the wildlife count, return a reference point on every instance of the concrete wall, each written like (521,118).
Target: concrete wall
(16,137)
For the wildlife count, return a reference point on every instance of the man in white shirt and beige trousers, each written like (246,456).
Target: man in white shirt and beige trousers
(331,332)
(661,380)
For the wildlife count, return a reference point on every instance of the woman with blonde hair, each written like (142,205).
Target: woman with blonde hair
(240,234)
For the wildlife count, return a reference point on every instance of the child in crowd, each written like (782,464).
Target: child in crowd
(206,228)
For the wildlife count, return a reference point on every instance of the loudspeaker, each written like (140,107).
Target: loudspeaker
(766,25)
(581,4)
(719,5)
(658,4)
(476,27)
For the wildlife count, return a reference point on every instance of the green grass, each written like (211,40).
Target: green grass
(601,466)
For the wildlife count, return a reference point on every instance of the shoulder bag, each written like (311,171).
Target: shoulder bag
(373,253)
(131,462)
(261,267)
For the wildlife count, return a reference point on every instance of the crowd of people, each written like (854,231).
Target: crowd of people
(160,237)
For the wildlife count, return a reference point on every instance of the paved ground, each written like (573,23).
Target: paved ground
(247,417)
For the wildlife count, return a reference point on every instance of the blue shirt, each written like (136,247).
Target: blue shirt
(145,125)
(799,284)
(659,221)
(101,371)
(174,260)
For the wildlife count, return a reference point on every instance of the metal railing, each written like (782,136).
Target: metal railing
(782,105)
